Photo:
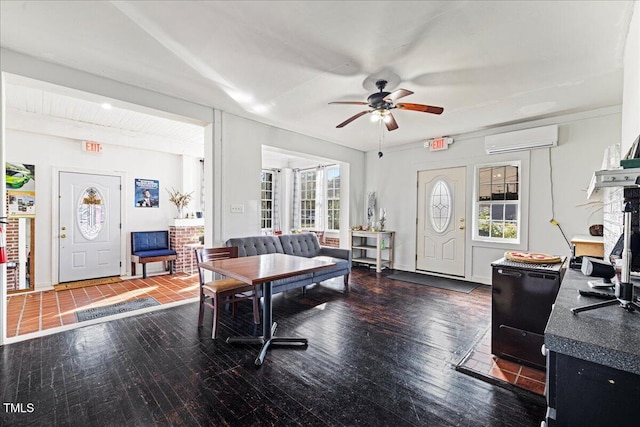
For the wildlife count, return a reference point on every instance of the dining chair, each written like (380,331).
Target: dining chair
(217,292)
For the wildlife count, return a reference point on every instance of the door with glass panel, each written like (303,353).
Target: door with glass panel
(89,226)
(441,220)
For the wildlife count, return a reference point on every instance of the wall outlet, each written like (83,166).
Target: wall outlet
(237,208)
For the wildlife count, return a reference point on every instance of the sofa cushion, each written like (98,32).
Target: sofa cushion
(289,283)
(340,264)
(256,245)
(304,244)
(156,252)
(149,240)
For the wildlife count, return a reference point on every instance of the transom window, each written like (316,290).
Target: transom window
(497,203)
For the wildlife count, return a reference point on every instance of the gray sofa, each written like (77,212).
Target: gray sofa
(306,245)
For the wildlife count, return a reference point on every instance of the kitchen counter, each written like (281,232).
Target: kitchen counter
(608,336)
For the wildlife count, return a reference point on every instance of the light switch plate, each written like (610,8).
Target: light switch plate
(237,208)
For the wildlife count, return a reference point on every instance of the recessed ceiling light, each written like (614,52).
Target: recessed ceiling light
(106,106)
(241,97)
(260,108)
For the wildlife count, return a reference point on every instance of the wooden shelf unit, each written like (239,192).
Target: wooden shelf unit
(367,248)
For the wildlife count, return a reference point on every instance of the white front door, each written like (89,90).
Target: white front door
(89,226)
(441,221)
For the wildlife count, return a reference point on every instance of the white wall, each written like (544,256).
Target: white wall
(241,152)
(631,87)
(582,139)
(49,153)
(614,196)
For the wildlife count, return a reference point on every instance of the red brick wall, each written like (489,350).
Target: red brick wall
(178,238)
(331,241)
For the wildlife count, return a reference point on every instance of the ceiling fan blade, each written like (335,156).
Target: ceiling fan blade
(390,121)
(397,94)
(421,108)
(350,102)
(352,118)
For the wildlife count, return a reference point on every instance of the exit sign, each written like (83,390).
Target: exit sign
(438,144)
(91,147)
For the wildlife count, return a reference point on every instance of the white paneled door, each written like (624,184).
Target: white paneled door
(89,226)
(441,221)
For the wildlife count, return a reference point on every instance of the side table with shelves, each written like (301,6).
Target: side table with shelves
(373,248)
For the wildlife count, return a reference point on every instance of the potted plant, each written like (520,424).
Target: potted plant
(181,200)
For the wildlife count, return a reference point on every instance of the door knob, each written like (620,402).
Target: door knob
(461,219)
(63,228)
(62,236)
(461,227)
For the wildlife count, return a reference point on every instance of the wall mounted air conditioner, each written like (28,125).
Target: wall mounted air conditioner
(527,139)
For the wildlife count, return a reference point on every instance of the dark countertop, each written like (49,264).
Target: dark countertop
(609,336)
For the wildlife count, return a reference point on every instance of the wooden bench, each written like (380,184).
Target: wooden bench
(151,246)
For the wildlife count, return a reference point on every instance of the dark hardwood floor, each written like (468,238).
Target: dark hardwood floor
(381,355)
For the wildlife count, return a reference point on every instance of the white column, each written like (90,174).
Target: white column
(3,209)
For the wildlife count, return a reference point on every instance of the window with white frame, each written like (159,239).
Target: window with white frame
(308,198)
(333,197)
(497,203)
(266,200)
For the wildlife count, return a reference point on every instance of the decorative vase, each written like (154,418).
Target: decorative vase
(180,212)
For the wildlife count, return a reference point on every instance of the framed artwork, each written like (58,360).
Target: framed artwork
(147,193)
(21,190)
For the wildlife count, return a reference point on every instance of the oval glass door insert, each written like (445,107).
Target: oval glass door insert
(440,206)
(90,213)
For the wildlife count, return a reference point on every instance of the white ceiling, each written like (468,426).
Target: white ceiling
(75,114)
(488,63)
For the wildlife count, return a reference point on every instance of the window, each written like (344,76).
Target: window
(440,206)
(308,198)
(497,203)
(266,200)
(90,213)
(333,197)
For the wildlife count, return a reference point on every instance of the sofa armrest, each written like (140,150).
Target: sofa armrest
(336,253)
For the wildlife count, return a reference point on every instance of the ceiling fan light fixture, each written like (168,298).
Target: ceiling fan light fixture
(381,103)
(380,115)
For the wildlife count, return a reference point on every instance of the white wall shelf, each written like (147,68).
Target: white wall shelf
(373,248)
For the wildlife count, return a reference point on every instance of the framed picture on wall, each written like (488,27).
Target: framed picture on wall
(21,190)
(147,193)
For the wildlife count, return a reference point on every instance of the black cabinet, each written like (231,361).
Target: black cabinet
(583,393)
(522,296)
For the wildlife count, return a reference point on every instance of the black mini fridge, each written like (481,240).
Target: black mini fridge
(522,296)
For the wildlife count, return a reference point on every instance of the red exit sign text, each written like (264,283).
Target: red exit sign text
(438,144)
(91,146)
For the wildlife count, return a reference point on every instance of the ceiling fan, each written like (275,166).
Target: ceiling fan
(381,103)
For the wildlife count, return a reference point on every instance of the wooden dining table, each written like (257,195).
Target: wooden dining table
(262,270)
